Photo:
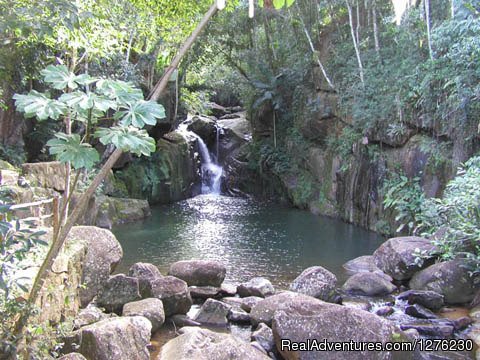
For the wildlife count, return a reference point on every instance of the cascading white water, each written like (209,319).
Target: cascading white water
(211,171)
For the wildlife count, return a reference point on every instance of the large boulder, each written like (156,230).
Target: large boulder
(213,312)
(430,299)
(369,284)
(364,263)
(174,294)
(104,252)
(257,286)
(145,273)
(396,257)
(91,314)
(115,211)
(49,175)
(118,290)
(326,323)
(199,272)
(202,344)
(450,279)
(315,281)
(263,311)
(151,308)
(204,127)
(264,336)
(122,338)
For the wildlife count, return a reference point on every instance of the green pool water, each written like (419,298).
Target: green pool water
(249,237)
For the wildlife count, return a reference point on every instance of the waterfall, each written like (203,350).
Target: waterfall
(211,171)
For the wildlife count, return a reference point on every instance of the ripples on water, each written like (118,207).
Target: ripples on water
(250,238)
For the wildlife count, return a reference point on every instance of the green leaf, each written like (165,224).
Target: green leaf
(129,139)
(70,148)
(141,113)
(38,105)
(120,91)
(278,4)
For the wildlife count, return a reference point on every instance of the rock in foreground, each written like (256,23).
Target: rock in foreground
(199,272)
(316,281)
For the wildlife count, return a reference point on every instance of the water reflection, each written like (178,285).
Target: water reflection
(250,238)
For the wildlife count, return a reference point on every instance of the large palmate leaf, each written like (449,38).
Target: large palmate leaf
(128,139)
(141,113)
(39,105)
(60,78)
(70,148)
(86,101)
(122,92)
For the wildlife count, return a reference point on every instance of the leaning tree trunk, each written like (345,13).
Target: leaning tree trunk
(355,43)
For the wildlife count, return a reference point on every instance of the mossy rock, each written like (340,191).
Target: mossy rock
(5,165)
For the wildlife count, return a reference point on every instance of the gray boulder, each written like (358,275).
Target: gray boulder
(118,290)
(238,316)
(316,281)
(364,263)
(249,302)
(199,272)
(449,278)
(91,314)
(264,336)
(145,273)
(174,294)
(151,308)
(204,292)
(257,286)
(396,258)
(202,344)
(314,319)
(104,252)
(369,284)
(213,312)
(73,356)
(122,338)
(263,311)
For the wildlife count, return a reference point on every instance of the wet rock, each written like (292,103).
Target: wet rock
(369,284)
(213,312)
(151,308)
(104,252)
(180,320)
(361,264)
(385,311)
(202,344)
(396,256)
(118,290)
(145,273)
(264,310)
(199,272)
(462,323)
(450,279)
(91,314)
(437,331)
(264,336)
(204,127)
(174,294)
(362,305)
(430,299)
(316,281)
(238,316)
(250,301)
(204,292)
(257,286)
(122,338)
(314,319)
(420,312)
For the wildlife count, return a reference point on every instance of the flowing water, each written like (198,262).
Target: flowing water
(250,238)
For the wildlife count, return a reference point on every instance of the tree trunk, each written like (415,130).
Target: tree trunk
(354,39)
(375,27)
(427,19)
(163,82)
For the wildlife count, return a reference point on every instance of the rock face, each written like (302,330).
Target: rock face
(450,279)
(46,174)
(315,281)
(202,344)
(151,309)
(174,294)
(115,211)
(396,256)
(258,286)
(145,273)
(213,312)
(314,319)
(369,284)
(122,338)
(117,291)
(199,272)
(204,127)
(103,254)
